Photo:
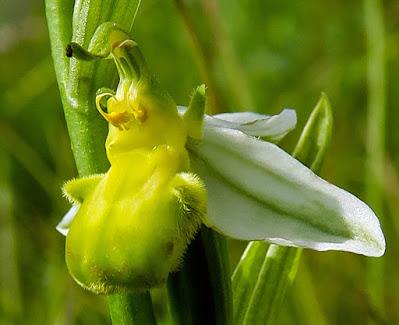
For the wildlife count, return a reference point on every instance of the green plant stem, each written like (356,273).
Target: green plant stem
(86,130)
(200,292)
(130,309)
(78,82)
(375,160)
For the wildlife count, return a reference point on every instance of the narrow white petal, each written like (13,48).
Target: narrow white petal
(271,127)
(274,128)
(259,192)
(64,224)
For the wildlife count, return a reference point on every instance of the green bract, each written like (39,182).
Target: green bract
(129,228)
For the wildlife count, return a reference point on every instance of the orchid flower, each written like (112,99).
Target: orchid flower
(175,168)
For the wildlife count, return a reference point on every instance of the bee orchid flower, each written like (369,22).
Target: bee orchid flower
(175,168)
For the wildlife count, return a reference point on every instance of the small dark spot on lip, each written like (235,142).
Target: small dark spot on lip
(68,51)
(170,247)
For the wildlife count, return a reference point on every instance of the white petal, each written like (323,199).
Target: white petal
(63,226)
(274,128)
(270,127)
(259,192)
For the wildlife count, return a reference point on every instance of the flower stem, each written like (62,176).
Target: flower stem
(200,292)
(131,309)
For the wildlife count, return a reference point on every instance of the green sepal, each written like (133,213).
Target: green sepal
(316,135)
(194,115)
(76,190)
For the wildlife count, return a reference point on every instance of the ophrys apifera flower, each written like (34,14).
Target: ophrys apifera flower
(175,168)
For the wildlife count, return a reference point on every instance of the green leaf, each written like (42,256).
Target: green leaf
(245,278)
(315,138)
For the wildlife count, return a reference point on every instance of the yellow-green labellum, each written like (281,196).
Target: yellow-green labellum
(134,222)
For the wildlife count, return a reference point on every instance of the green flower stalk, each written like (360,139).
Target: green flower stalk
(175,168)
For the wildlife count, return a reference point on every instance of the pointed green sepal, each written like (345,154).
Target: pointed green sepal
(316,135)
(76,190)
(194,114)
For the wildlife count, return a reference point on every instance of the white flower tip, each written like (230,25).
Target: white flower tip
(290,116)
(368,238)
(378,250)
(64,224)
(365,238)
(375,246)
(63,231)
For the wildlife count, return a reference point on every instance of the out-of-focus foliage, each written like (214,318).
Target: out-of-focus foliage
(265,55)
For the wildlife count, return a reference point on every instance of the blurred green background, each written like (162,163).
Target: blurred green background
(254,55)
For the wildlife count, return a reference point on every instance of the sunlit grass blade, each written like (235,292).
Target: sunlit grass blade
(213,53)
(266,285)
(10,288)
(375,147)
